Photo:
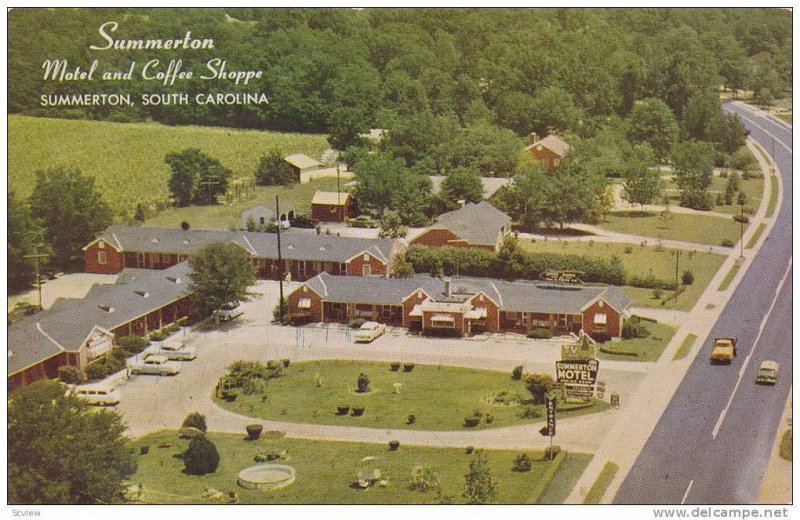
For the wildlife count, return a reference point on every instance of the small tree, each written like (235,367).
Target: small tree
(480,486)
(392,225)
(195,420)
(221,272)
(201,458)
(538,385)
(687,278)
(196,178)
(272,170)
(516,373)
(362,383)
(424,479)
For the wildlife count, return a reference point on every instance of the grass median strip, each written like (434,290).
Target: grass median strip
(604,479)
(773,196)
(729,277)
(756,235)
(683,350)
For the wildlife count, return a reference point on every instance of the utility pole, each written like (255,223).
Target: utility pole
(36,256)
(677,261)
(339,195)
(208,183)
(280,262)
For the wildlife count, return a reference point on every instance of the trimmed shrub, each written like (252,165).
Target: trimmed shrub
(551,452)
(471,421)
(423,479)
(489,418)
(393,445)
(70,375)
(358,411)
(408,367)
(343,409)
(362,383)
(144,450)
(727,242)
(285,362)
(357,323)
(529,412)
(272,364)
(254,431)
(540,334)
(516,373)
(633,328)
(522,463)
(201,458)
(468,450)
(159,335)
(411,419)
(229,395)
(133,343)
(687,278)
(394,366)
(195,420)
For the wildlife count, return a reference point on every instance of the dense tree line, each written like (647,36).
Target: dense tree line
(344,71)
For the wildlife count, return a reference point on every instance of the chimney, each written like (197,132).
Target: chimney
(534,137)
(447,287)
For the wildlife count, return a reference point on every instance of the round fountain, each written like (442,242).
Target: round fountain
(266,476)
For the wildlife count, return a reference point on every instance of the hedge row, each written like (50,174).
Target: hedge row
(547,478)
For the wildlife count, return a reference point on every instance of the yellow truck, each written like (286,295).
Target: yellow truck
(724,350)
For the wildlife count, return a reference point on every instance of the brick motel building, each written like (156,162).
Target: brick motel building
(304,254)
(77,332)
(460,306)
(480,226)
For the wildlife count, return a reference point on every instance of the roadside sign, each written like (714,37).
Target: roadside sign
(601,389)
(551,416)
(577,352)
(577,372)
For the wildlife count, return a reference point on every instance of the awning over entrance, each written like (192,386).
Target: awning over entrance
(442,319)
(478,313)
(416,312)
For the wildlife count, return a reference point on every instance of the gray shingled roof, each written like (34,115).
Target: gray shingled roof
(553,143)
(295,245)
(519,296)
(65,327)
(476,223)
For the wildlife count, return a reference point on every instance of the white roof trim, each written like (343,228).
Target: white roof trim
(499,296)
(46,335)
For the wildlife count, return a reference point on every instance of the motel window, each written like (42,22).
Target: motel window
(600,318)
(304,303)
(101,258)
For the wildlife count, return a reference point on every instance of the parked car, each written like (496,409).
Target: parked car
(767,373)
(229,311)
(369,331)
(363,221)
(100,395)
(156,365)
(172,351)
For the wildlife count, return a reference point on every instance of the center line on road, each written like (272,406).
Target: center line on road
(686,495)
(755,344)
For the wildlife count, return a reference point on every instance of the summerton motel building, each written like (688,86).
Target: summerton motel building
(78,332)
(463,305)
(304,255)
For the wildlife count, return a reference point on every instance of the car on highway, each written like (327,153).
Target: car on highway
(172,351)
(228,311)
(724,351)
(767,373)
(369,331)
(154,365)
(100,395)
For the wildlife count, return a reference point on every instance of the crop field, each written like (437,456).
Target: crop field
(127,159)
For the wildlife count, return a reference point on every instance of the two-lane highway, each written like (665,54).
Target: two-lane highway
(713,442)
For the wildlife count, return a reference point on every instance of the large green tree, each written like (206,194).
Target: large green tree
(221,272)
(196,178)
(642,183)
(72,211)
(272,170)
(694,165)
(24,234)
(61,451)
(651,121)
(462,184)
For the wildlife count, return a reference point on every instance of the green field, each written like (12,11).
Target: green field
(641,261)
(439,397)
(223,216)
(639,349)
(701,229)
(327,472)
(127,159)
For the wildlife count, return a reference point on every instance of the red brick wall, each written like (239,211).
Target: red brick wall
(113,265)
(409,303)
(293,301)
(547,157)
(458,318)
(492,311)
(612,320)
(356,265)
(330,213)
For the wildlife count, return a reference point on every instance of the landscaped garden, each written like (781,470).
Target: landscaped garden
(647,347)
(328,472)
(397,396)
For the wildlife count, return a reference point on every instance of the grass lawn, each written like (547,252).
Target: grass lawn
(438,396)
(224,216)
(600,485)
(786,445)
(773,196)
(753,188)
(785,117)
(571,470)
(645,349)
(683,350)
(127,159)
(701,229)
(327,472)
(729,277)
(756,235)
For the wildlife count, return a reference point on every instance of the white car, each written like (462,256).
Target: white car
(229,311)
(369,331)
(172,351)
(156,365)
(100,395)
